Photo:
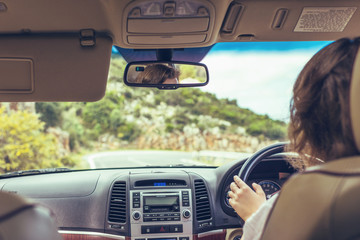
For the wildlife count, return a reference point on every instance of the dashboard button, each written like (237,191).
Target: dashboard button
(146,229)
(160,229)
(176,228)
(186,214)
(183,238)
(136,205)
(136,215)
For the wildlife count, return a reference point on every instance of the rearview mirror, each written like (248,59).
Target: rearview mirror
(166,75)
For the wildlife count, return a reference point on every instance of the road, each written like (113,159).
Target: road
(139,159)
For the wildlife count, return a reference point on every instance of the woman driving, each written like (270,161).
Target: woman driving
(320,129)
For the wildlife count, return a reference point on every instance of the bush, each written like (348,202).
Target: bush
(50,113)
(267,128)
(96,116)
(77,132)
(128,132)
(24,144)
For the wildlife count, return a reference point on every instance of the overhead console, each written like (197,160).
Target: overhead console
(164,22)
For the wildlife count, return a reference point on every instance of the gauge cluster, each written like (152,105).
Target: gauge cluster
(270,188)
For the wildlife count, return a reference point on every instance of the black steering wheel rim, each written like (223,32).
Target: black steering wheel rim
(257,157)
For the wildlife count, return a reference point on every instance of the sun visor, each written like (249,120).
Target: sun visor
(59,67)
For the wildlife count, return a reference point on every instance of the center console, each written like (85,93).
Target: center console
(162,211)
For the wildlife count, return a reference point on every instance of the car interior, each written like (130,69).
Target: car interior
(57,51)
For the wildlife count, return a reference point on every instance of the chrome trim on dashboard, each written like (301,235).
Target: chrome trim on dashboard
(97,234)
(138,224)
(206,234)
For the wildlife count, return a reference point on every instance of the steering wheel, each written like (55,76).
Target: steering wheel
(255,159)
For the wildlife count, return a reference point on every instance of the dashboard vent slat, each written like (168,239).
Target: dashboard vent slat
(203,211)
(117,209)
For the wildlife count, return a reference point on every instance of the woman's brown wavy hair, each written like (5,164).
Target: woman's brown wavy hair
(320,127)
(157,74)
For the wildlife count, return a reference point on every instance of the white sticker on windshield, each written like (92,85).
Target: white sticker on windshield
(324,19)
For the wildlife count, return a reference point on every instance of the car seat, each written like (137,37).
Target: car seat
(324,202)
(21,219)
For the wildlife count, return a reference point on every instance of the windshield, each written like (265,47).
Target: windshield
(244,107)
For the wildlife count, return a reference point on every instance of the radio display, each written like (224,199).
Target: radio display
(159,184)
(161,201)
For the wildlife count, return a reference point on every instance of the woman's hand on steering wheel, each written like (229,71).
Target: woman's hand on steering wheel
(243,199)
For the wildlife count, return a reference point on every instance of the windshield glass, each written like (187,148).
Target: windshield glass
(244,107)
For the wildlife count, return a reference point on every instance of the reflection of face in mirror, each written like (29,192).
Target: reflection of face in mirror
(158,74)
(171,81)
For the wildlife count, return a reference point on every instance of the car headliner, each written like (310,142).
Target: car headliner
(110,16)
(62,49)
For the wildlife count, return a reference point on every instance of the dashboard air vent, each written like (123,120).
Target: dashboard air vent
(203,211)
(117,210)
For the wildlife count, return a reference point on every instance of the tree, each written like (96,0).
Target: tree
(50,113)
(96,116)
(24,144)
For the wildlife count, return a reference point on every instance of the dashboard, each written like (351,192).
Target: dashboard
(145,203)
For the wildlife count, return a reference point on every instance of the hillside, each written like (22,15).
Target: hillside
(184,119)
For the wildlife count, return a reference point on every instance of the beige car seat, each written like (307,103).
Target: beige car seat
(23,220)
(323,203)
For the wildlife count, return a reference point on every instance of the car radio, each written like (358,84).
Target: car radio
(161,203)
(161,214)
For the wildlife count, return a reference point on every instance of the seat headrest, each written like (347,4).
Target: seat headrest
(355,100)
(21,219)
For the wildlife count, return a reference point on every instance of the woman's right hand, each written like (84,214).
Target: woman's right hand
(243,199)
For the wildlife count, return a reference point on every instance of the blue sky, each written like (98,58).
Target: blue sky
(269,46)
(259,76)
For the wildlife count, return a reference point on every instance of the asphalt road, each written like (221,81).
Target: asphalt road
(140,159)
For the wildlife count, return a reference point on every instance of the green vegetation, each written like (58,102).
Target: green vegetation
(127,118)
(24,145)
(127,113)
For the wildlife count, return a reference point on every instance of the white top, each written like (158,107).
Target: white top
(254,226)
